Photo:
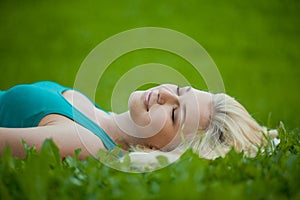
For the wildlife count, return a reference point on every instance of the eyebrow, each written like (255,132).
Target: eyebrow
(188,89)
(184,114)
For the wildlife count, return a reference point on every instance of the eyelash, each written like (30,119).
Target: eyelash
(173,114)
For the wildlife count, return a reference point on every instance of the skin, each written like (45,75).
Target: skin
(154,119)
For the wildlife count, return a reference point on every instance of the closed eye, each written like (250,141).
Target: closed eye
(178,90)
(173,115)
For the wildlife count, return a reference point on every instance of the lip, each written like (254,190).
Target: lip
(147,99)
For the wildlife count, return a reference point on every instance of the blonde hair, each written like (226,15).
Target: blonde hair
(230,126)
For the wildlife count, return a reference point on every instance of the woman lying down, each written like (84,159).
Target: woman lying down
(164,120)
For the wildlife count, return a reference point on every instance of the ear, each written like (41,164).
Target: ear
(221,136)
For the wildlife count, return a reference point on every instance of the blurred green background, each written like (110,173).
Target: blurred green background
(255,45)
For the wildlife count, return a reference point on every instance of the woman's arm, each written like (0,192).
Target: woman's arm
(67,136)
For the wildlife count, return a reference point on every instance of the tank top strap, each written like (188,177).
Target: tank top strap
(81,119)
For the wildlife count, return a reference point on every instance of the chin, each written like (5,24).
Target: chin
(136,103)
(137,108)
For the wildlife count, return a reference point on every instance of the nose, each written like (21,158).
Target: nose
(167,97)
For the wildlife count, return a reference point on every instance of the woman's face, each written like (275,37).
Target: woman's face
(172,109)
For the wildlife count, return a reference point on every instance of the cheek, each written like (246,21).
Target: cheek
(166,137)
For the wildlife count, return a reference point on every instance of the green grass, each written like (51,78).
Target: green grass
(272,175)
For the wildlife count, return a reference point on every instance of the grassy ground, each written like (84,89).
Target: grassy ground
(45,176)
(254,44)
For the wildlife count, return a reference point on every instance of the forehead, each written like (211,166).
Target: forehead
(189,110)
(196,106)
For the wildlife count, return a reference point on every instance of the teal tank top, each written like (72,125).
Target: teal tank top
(25,105)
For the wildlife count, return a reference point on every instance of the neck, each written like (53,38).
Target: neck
(110,124)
